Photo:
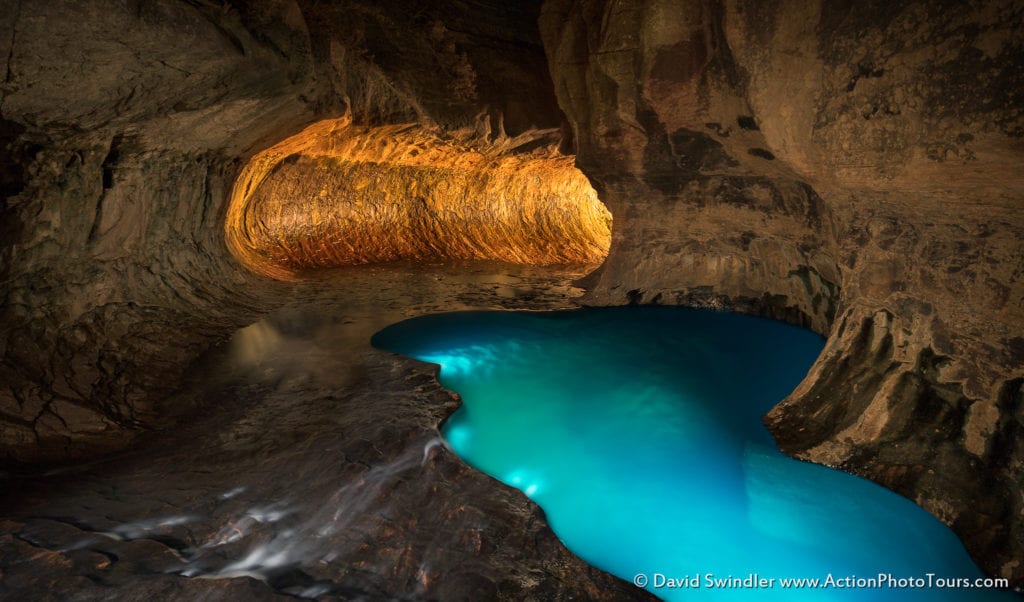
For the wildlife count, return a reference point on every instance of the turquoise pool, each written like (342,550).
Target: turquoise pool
(638,431)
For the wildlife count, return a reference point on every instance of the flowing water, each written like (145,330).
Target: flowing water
(638,431)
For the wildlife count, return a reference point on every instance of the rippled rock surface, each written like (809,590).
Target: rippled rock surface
(337,194)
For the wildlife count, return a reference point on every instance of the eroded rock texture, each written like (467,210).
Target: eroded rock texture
(124,126)
(336,194)
(853,167)
(847,166)
(127,119)
(287,483)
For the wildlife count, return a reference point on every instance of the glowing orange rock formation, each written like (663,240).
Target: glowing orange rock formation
(338,194)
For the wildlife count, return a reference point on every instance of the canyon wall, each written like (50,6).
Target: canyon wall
(846,166)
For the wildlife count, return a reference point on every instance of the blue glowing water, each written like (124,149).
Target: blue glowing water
(638,431)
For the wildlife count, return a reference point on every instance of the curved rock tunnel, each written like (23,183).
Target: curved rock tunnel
(853,169)
(337,195)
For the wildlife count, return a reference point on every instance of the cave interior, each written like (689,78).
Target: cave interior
(211,206)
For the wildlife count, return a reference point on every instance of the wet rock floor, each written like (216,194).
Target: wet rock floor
(304,463)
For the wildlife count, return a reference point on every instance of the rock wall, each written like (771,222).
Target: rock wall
(844,166)
(124,125)
(127,120)
(337,194)
(852,167)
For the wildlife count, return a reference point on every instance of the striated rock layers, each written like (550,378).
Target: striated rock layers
(853,167)
(123,127)
(847,166)
(336,194)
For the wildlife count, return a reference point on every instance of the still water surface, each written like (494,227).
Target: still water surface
(638,431)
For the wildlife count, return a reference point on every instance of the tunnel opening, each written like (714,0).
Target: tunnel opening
(339,194)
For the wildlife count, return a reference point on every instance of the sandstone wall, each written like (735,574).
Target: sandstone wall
(848,167)
(127,120)
(123,126)
(853,167)
(337,194)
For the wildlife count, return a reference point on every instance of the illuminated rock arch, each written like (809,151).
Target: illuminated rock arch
(338,194)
